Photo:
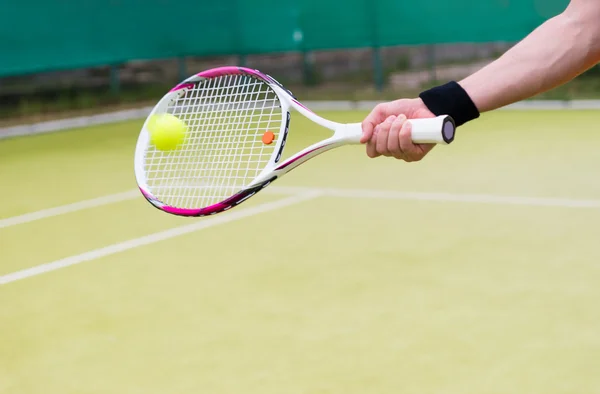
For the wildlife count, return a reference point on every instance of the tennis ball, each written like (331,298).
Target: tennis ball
(167,131)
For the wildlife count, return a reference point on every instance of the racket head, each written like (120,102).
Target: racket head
(226,112)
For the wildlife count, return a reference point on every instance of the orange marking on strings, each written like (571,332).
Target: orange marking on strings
(268,137)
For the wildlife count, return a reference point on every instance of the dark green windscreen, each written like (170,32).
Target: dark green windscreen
(40,35)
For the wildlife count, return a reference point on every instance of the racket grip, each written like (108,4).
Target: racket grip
(438,130)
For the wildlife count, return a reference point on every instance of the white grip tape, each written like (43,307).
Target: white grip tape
(438,130)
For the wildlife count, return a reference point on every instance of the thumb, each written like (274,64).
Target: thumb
(377,115)
(367,131)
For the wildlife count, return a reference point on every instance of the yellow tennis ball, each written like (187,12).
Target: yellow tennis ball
(167,131)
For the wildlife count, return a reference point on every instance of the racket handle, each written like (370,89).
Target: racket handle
(438,130)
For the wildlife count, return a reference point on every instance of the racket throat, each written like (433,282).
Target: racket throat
(348,133)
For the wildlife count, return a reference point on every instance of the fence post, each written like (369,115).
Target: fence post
(372,12)
(115,80)
(182,68)
(377,68)
(308,77)
(308,68)
(432,63)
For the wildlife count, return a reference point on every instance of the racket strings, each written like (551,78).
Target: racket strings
(223,151)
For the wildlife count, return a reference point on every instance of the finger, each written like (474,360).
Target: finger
(412,151)
(375,117)
(371,147)
(394,137)
(406,144)
(381,143)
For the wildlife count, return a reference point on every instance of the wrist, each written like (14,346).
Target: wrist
(450,99)
(422,110)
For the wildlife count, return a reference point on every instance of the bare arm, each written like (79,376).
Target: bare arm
(553,54)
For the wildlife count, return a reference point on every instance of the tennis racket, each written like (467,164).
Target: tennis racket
(237,121)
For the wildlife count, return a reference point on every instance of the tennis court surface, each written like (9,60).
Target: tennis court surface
(473,271)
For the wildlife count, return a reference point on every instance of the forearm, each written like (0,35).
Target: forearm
(553,54)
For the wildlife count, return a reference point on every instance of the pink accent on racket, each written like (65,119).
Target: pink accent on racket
(223,160)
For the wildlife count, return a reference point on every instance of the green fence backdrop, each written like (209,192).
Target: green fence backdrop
(44,35)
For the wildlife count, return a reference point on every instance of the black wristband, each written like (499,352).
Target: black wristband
(450,99)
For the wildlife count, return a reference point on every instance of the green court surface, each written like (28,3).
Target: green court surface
(476,270)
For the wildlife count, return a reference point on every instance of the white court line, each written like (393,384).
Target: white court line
(157,237)
(298,194)
(333,192)
(444,197)
(46,213)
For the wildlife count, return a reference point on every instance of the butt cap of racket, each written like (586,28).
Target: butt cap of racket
(438,130)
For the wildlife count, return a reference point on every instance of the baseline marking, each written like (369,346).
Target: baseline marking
(332,192)
(157,237)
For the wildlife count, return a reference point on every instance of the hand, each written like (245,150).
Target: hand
(386,132)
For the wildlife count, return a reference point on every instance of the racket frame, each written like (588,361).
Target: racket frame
(342,134)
